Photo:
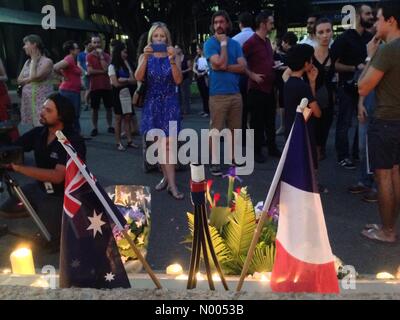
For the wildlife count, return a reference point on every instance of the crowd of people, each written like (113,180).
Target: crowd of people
(243,81)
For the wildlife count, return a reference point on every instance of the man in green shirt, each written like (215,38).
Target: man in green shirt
(382,74)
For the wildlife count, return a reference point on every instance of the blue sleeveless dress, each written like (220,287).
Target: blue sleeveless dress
(161,105)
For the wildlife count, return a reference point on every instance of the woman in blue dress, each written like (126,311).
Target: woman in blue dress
(161,72)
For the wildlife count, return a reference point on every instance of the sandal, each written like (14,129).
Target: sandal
(377,235)
(120,147)
(132,145)
(372,226)
(176,195)
(162,185)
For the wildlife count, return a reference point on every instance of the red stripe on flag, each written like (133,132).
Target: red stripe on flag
(292,275)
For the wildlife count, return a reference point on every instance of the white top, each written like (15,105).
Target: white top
(312,42)
(202,64)
(111,70)
(243,36)
(309,41)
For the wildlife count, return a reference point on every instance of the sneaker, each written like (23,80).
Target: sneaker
(259,157)
(371,197)
(358,189)
(215,170)
(111,130)
(94,133)
(347,164)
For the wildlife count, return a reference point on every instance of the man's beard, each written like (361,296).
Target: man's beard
(366,24)
(220,31)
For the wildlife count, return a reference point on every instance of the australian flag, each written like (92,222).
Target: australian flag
(89,255)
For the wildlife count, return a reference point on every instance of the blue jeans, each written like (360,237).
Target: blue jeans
(75,98)
(348,102)
(366,178)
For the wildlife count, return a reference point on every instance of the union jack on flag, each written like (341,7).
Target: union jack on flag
(89,256)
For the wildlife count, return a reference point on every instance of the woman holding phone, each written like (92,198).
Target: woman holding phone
(161,71)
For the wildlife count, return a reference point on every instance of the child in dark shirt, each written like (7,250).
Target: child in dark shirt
(300,64)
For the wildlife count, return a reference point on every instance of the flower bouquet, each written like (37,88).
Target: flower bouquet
(232,229)
(134,202)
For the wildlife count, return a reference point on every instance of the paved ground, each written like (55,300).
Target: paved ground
(345,214)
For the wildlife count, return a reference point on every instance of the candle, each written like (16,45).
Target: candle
(384,276)
(200,277)
(216,277)
(22,262)
(183,277)
(174,270)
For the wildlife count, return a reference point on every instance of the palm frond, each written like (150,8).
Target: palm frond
(263,259)
(239,232)
(219,217)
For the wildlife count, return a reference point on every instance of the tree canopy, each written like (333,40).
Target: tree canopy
(189,19)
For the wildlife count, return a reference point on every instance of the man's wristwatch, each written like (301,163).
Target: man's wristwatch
(368,59)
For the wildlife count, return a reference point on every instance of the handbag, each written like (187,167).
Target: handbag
(140,95)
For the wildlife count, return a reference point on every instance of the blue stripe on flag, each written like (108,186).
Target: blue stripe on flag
(299,169)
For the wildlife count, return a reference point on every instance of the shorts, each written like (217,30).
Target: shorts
(226,111)
(85,83)
(97,95)
(384,144)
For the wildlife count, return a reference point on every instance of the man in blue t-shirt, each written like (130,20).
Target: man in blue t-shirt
(226,61)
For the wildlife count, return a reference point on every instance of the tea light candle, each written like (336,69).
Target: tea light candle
(174,270)
(22,262)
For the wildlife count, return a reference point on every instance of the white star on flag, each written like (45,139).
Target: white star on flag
(110,277)
(96,224)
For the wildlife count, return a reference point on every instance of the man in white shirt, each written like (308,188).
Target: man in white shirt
(310,39)
(246,30)
(246,22)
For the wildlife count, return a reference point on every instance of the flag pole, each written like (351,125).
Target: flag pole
(267,204)
(82,168)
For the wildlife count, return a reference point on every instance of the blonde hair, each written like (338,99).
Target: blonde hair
(159,25)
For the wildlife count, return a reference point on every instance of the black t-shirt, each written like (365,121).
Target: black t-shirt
(295,90)
(48,156)
(351,49)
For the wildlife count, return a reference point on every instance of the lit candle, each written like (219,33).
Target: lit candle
(22,262)
(183,277)
(384,276)
(174,270)
(200,277)
(216,277)
(7,271)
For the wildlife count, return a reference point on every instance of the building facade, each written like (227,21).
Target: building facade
(19,18)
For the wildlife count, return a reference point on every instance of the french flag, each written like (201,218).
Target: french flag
(304,260)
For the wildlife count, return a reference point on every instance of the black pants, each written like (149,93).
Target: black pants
(48,207)
(204,93)
(263,113)
(323,126)
(243,90)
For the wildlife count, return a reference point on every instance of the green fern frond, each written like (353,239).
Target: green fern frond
(239,232)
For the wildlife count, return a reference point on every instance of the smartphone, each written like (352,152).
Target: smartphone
(159,47)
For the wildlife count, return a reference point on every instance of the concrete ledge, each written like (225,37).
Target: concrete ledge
(20,287)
